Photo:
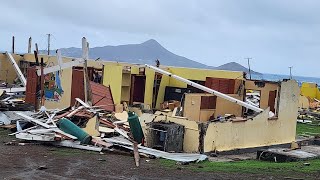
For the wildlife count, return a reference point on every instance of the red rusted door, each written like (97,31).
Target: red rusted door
(272,100)
(32,86)
(138,84)
(77,86)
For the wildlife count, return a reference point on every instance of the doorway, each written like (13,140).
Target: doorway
(138,84)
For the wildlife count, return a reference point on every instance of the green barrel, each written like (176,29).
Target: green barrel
(69,127)
(135,127)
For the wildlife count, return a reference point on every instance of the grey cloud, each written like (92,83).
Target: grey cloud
(276,33)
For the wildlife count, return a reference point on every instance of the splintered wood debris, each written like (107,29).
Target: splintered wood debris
(88,128)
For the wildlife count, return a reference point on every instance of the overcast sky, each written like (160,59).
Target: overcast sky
(275,33)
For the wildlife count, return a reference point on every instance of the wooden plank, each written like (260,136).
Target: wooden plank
(34,137)
(83,103)
(17,69)
(13,90)
(57,130)
(105,129)
(77,145)
(58,67)
(33,120)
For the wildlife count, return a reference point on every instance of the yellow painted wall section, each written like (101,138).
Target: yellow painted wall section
(200,74)
(7,71)
(259,131)
(134,70)
(65,77)
(161,93)
(149,86)
(113,77)
(191,134)
(310,90)
(303,102)
(264,92)
(226,107)
(192,103)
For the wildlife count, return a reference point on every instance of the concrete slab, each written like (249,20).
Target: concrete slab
(230,158)
(288,155)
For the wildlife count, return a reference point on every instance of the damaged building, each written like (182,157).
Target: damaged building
(170,109)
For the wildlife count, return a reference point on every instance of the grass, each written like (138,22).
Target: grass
(250,166)
(256,166)
(306,129)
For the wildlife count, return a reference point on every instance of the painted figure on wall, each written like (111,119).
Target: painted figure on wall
(52,86)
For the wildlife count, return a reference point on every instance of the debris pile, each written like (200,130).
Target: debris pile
(253,98)
(12,101)
(310,115)
(90,128)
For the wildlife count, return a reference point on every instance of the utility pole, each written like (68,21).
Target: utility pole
(29,45)
(290,71)
(249,67)
(37,48)
(49,35)
(12,44)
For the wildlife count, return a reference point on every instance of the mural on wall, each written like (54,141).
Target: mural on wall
(52,87)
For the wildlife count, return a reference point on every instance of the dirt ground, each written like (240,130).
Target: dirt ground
(25,162)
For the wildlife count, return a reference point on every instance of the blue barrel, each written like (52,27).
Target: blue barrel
(69,127)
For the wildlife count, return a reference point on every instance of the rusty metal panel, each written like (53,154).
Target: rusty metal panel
(31,87)
(208,102)
(77,86)
(102,96)
(226,86)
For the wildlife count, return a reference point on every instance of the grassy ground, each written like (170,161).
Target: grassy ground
(252,166)
(255,166)
(306,129)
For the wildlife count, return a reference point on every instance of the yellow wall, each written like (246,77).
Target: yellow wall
(188,73)
(65,77)
(148,92)
(259,131)
(200,74)
(226,107)
(191,132)
(256,132)
(264,92)
(7,71)
(192,103)
(113,77)
(162,88)
(304,102)
(310,90)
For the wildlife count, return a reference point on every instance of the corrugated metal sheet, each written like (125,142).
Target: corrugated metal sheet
(226,86)
(102,96)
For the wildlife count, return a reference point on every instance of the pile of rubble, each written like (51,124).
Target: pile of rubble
(13,101)
(253,98)
(90,128)
(310,115)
